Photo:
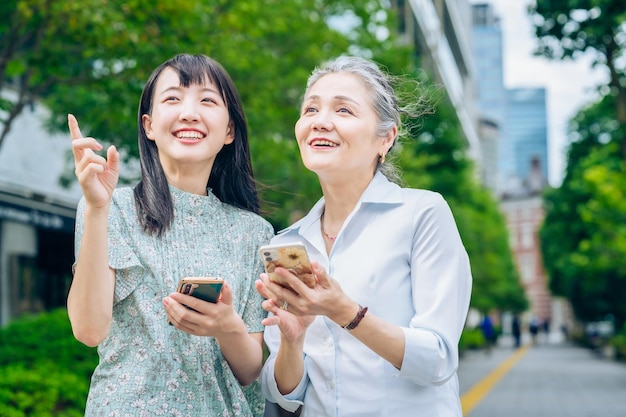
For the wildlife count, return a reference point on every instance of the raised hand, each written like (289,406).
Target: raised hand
(97,176)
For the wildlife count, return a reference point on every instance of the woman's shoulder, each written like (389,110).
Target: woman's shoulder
(422,196)
(247,218)
(386,191)
(123,193)
(123,197)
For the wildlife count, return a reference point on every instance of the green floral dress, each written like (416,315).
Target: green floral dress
(148,368)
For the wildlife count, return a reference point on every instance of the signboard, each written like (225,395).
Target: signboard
(54,219)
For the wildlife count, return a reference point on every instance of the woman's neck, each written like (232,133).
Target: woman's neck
(193,185)
(339,202)
(341,196)
(189,177)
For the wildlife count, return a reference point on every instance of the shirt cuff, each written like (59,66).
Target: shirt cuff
(291,401)
(420,348)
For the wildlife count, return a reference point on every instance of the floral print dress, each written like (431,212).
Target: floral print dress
(147,367)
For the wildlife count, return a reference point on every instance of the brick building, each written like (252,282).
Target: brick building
(522,206)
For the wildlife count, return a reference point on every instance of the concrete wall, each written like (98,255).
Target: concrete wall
(15,239)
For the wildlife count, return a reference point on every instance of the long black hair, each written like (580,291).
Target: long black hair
(231,179)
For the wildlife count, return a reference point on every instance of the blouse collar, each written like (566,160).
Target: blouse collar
(194,203)
(379,191)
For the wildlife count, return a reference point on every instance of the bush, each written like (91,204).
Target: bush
(471,339)
(42,391)
(44,371)
(619,343)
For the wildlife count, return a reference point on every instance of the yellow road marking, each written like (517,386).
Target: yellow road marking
(472,397)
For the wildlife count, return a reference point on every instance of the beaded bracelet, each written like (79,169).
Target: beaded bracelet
(357,319)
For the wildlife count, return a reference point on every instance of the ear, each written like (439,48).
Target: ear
(388,140)
(230,134)
(146,120)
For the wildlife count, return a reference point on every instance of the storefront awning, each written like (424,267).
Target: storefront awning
(37,211)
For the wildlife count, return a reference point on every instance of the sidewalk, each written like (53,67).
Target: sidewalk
(546,380)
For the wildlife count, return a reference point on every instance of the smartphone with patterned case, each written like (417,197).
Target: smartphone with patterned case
(291,256)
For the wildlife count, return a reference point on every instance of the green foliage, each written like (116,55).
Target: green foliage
(496,283)
(96,55)
(471,339)
(583,237)
(43,390)
(569,29)
(584,233)
(92,57)
(273,102)
(436,159)
(21,343)
(619,343)
(44,371)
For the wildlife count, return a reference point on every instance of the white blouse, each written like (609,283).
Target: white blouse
(400,254)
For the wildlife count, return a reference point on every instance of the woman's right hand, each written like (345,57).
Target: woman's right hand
(293,327)
(97,176)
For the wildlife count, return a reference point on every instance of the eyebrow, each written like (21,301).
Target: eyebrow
(180,87)
(338,98)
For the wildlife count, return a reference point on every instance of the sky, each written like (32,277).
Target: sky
(569,85)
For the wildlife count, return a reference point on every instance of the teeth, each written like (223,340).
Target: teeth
(324,143)
(189,135)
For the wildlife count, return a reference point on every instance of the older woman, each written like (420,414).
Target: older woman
(378,334)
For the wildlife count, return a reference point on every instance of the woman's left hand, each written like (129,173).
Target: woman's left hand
(326,298)
(199,317)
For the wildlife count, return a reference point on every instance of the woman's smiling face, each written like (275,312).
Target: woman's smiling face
(337,127)
(189,124)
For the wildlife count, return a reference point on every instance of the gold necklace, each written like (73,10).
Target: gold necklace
(332,238)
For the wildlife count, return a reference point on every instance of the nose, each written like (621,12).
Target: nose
(322,122)
(189,111)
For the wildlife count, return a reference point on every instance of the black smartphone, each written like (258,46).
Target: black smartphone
(204,288)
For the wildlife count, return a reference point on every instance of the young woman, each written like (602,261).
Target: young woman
(194,213)
(378,334)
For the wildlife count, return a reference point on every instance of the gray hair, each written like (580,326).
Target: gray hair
(384,98)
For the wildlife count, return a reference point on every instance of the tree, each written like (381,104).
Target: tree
(77,49)
(91,58)
(436,158)
(566,29)
(583,236)
(582,233)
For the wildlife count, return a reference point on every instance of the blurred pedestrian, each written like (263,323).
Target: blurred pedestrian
(565,331)
(516,329)
(489,333)
(545,328)
(533,328)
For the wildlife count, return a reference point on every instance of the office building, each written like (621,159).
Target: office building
(525,138)
(517,115)
(487,50)
(440,31)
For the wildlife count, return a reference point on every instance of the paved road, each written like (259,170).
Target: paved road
(545,380)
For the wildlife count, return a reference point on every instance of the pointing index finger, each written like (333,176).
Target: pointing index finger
(73,125)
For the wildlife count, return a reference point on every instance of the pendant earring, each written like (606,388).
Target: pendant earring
(381,158)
